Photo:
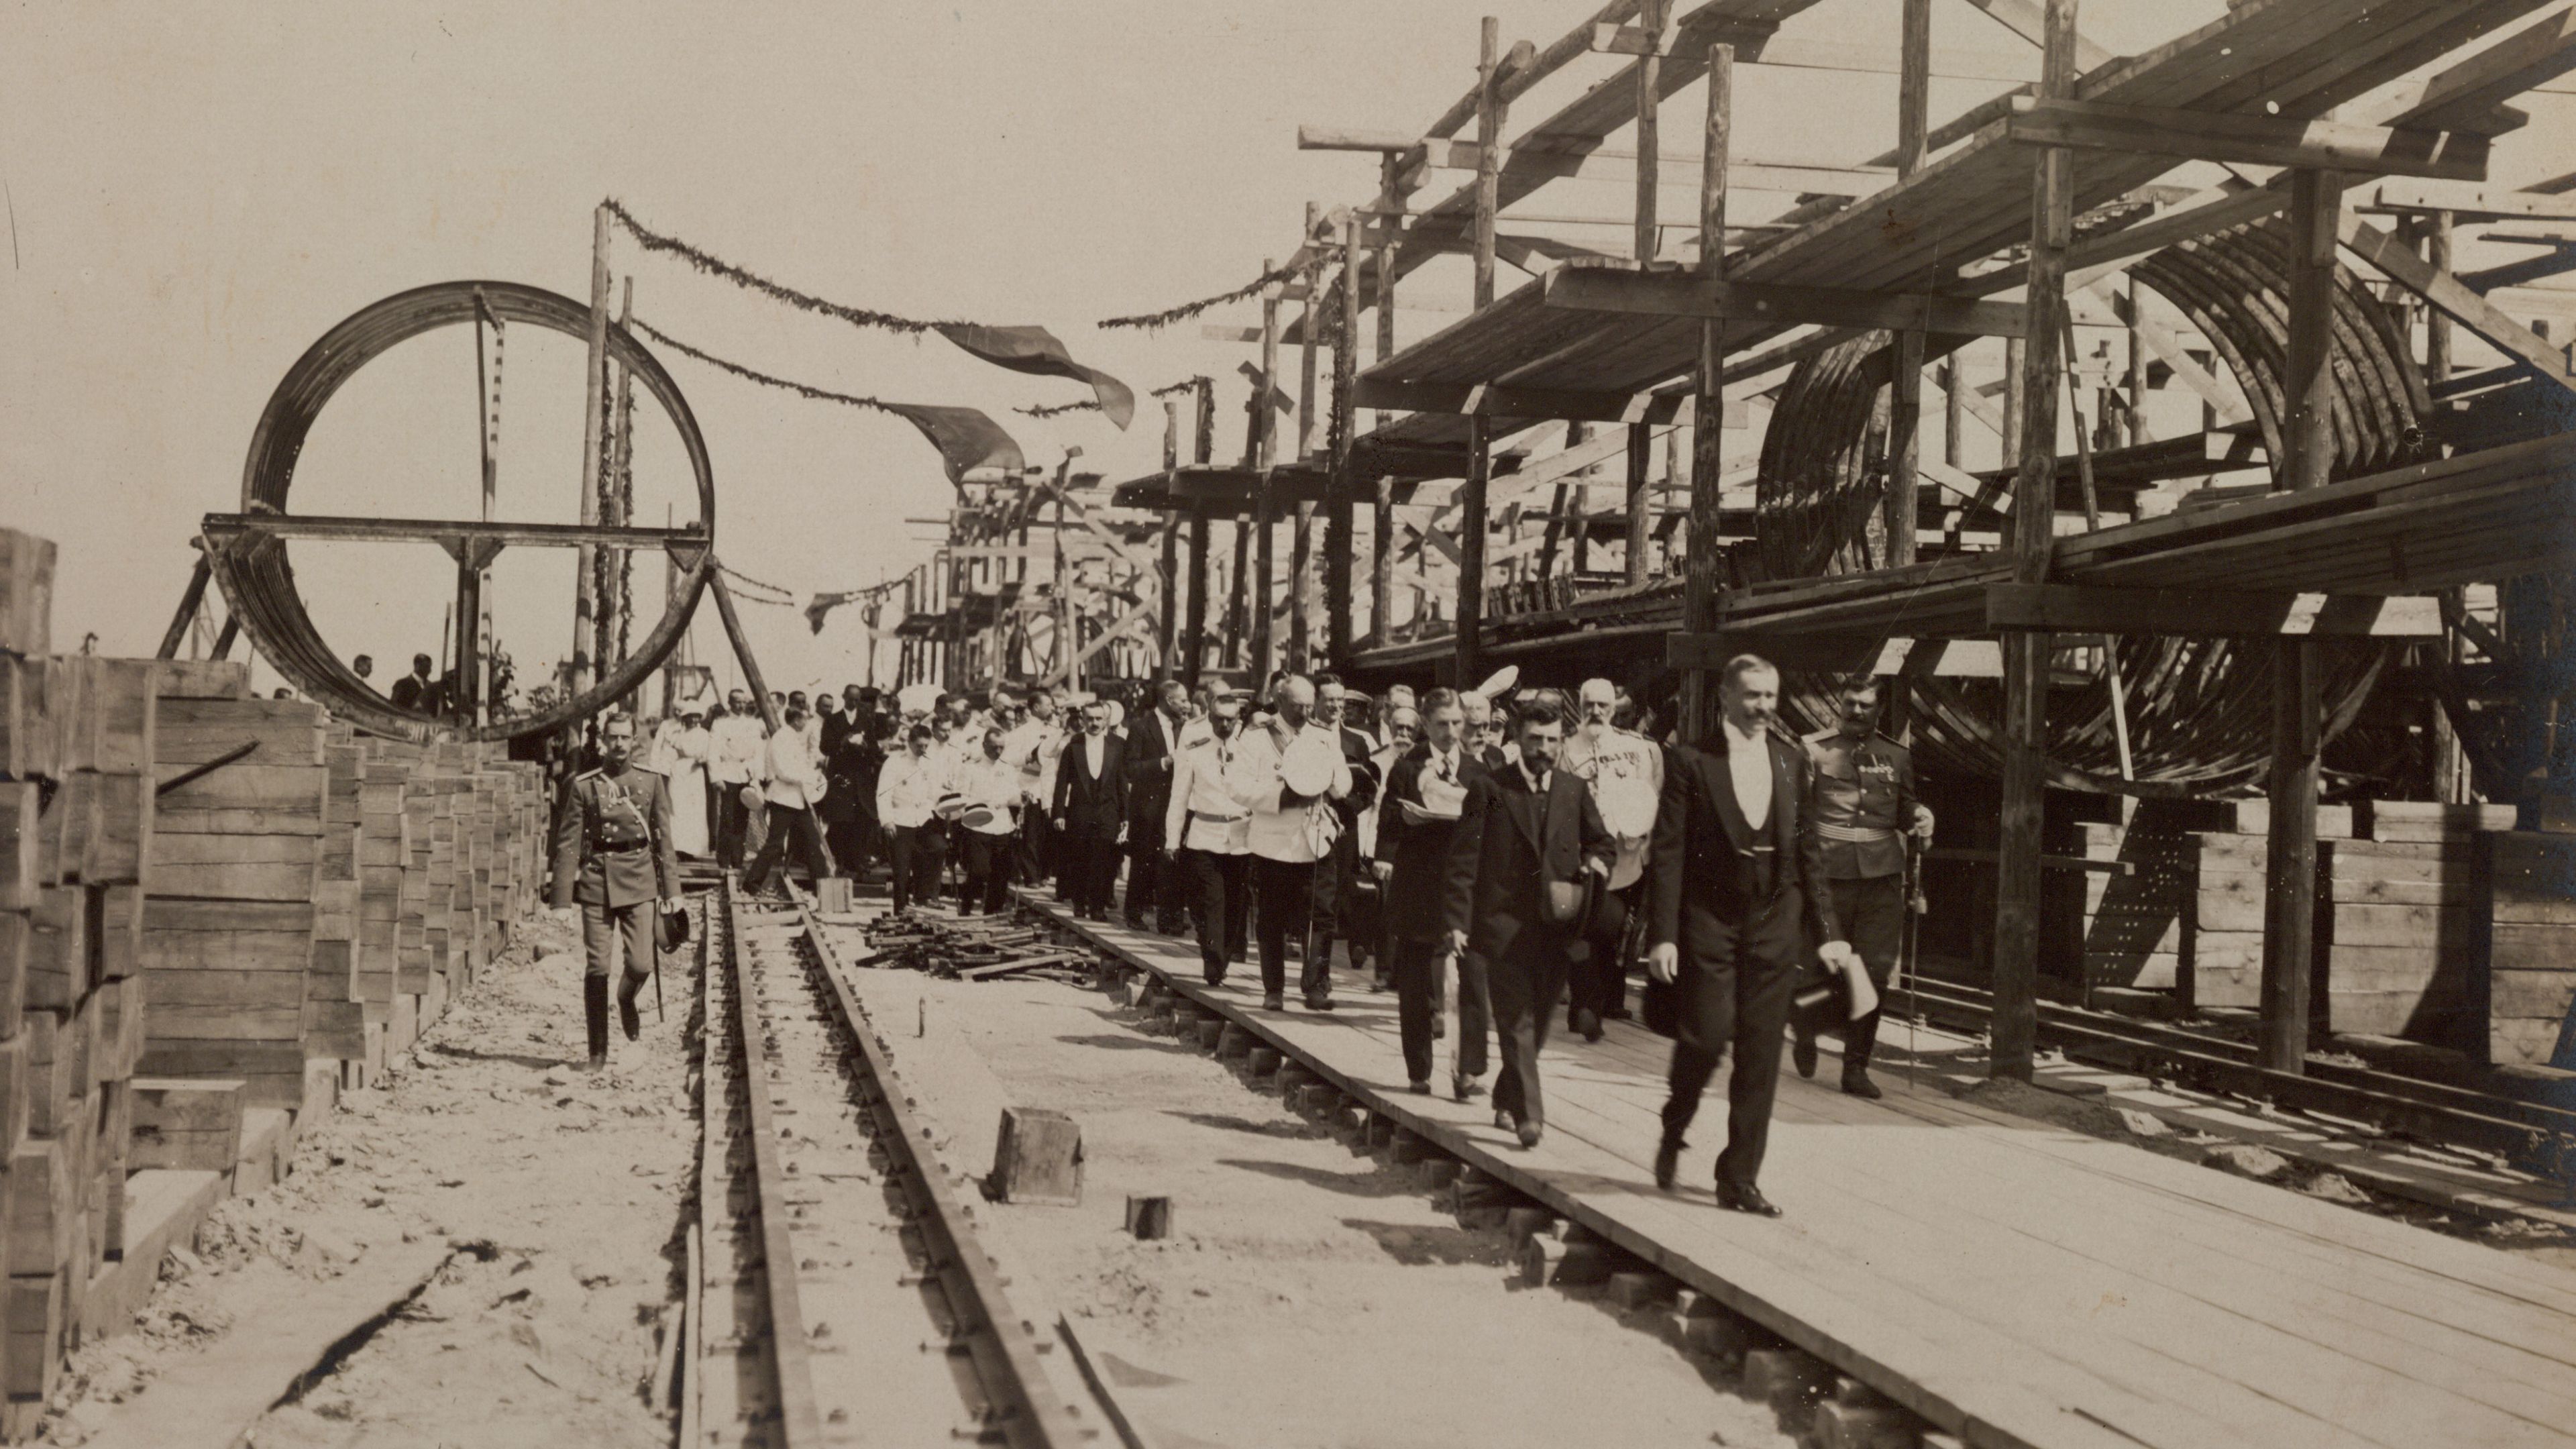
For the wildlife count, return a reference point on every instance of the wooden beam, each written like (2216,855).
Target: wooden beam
(2029,20)
(1648,237)
(2094,258)
(1339,540)
(2470,202)
(226,527)
(1681,294)
(1905,393)
(1838,653)
(2290,857)
(1611,164)
(1504,401)
(1702,563)
(2026,652)
(1470,611)
(2307,384)
(1838,55)
(2256,140)
(2468,93)
(2446,292)
(1489,140)
(2210,613)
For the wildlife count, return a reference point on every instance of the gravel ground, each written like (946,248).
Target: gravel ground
(548,1203)
(1307,1295)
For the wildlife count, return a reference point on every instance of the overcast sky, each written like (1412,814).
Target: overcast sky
(195,193)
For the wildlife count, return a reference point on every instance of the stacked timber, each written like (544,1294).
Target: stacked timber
(2531,916)
(2136,918)
(2408,945)
(2224,945)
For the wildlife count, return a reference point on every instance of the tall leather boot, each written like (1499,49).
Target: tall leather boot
(594,1011)
(628,1016)
(1858,1040)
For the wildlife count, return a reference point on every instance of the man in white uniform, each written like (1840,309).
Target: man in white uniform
(1625,771)
(1287,827)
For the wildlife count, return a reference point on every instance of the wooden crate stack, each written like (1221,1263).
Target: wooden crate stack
(2224,943)
(2135,921)
(237,920)
(2531,915)
(2408,942)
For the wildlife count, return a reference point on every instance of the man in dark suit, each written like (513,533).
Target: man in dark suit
(1729,914)
(1153,741)
(1334,911)
(1091,809)
(1412,868)
(1528,829)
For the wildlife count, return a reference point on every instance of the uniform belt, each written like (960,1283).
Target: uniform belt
(1855,834)
(617,849)
(1214,819)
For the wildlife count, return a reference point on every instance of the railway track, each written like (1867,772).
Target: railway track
(891,1324)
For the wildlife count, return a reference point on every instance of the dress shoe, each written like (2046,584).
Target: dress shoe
(1668,1160)
(596,1063)
(1465,1088)
(1319,1003)
(1213,978)
(1421,1088)
(1744,1198)
(1274,1002)
(1802,1052)
(1505,1120)
(1530,1134)
(1588,1022)
(1858,1084)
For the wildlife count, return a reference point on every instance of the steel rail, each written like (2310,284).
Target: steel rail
(800,1424)
(1025,1405)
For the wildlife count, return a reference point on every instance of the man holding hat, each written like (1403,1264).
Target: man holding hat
(1207,831)
(1864,808)
(908,791)
(1293,770)
(991,790)
(1090,808)
(1625,771)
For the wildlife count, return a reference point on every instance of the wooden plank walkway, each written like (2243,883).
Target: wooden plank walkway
(2014,1283)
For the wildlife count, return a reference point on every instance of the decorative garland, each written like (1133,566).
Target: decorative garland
(1092,405)
(1157,321)
(737,369)
(715,266)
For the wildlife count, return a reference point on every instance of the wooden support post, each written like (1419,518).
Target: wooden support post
(2437,323)
(1650,70)
(1708,406)
(585,608)
(1641,443)
(2290,857)
(1265,534)
(1471,539)
(1194,641)
(1064,665)
(613,507)
(1954,409)
(1339,544)
(742,649)
(2134,416)
(1264,514)
(2026,652)
(1905,408)
(1382,517)
(1167,635)
(1301,543)
(2313,217)
(1489,141)
(2290,850)
(191,599)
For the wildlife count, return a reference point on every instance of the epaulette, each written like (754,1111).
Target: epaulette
(595,771)
(646,770)
(1822,735)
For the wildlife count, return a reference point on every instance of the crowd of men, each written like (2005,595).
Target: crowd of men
(1496,854)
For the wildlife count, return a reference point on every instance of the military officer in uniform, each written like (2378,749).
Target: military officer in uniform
(1863,809)
(613,855)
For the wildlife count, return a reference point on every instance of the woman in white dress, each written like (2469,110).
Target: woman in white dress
(680,757)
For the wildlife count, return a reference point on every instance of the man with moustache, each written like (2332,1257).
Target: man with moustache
(1283,833)
(1090,808)
(1425,792)
(1528,837)
(1730,902)
(1152,750)
(1207,830)
(1625,771)
(1864,809)
(736,741)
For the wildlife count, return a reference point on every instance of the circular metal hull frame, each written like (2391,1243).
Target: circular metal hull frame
(258,580)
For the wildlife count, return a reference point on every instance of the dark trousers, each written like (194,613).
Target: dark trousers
(1154,882)
(1599,982)
(1475,1014)
(731,818)
(1524,987)
(787,825)
(1282,893)
(1418,967)
(853,840)
(915,853)
(1221,898)
(1872,913)
(988,872)
(1749,1001)
(1088,876)
(1037,847)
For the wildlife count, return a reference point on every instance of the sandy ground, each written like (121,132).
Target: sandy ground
(1307,1296)
(541,1203)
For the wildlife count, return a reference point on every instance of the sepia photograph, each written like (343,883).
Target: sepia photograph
(1327,724)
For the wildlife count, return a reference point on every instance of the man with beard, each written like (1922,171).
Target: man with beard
(1625,772)
(1090,808)
(1207,830)
(1864,809)
(1152,748)
(1293,768)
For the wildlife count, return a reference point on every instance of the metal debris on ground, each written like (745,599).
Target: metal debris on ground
(974,949)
